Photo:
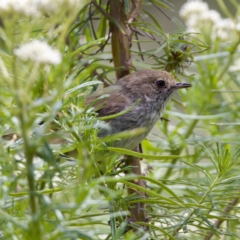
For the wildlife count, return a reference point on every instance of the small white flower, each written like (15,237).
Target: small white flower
(52,6)
(193,7)
(210,16)
(34,8)
(25,7)
(192,21)
(39,52)
(236,66)
(237,26)
(226,23)
(4,5)
(222,35)
(199,18)
(225,28)
(196,22)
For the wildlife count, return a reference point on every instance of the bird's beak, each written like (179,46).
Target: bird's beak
(182,85)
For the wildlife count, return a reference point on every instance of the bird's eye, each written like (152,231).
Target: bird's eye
(160,84)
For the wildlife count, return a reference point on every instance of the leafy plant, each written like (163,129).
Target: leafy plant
(59,180)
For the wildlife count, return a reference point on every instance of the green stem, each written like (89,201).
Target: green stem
(179,150)
(29,154)
(230,58)
(112,219)
(224,8)
(28,149)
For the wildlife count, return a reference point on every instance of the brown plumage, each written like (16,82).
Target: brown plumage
(152,87)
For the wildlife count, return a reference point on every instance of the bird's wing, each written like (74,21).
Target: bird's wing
(114,103)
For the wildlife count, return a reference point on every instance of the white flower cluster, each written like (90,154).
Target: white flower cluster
(193,7)
(35,8)
(22,6)
(38,52)
(198,16)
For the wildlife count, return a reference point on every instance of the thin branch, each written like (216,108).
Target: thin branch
(161,11)
(100,49)
(138,211)
(101,10)
(218,223)
(145,34)
(90,17)
(134,12)
(139,46)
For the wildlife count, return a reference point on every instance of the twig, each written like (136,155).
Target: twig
(90,18)
(139,46)
(100,49)
(218,223)
(151,36)
(161,11)
(101,10)
(134,12)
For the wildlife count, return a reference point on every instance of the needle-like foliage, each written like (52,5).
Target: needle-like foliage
(59,180)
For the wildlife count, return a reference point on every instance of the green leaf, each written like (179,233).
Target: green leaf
(145,156)
(152,193)
(163,186)
(83,85)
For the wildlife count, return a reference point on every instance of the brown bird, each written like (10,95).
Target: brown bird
(153,89)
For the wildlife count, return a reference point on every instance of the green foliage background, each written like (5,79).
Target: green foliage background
(192,162)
